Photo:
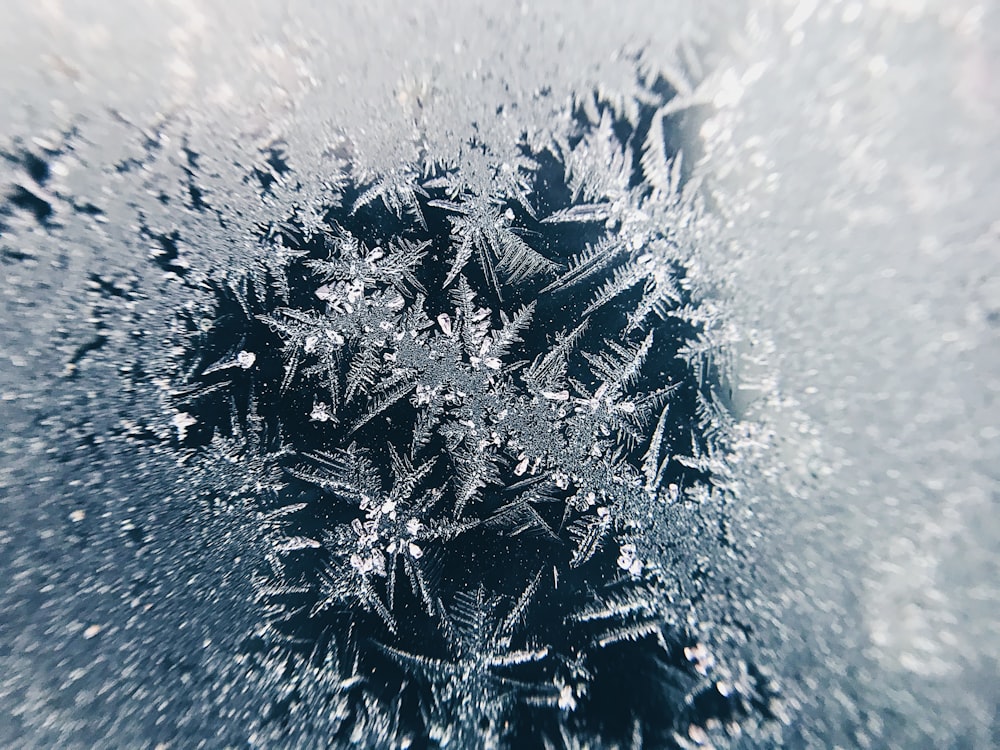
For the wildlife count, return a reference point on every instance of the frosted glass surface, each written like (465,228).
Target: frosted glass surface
(466,374)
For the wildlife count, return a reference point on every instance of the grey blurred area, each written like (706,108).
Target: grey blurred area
(851,154)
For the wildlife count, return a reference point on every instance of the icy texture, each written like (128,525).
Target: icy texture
(515,375)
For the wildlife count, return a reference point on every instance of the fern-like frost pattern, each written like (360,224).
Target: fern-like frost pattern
(463,426)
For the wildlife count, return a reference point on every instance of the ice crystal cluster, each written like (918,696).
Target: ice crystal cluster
(450,437)
(475,374)
(460,420)
(457,425)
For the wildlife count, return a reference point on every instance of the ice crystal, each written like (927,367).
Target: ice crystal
(459,419)
(448,422)
(627,362)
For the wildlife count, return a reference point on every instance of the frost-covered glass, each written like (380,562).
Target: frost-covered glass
(543,375)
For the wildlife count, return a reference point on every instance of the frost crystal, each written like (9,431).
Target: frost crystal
(459,435)
(452,425)
(528,374)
